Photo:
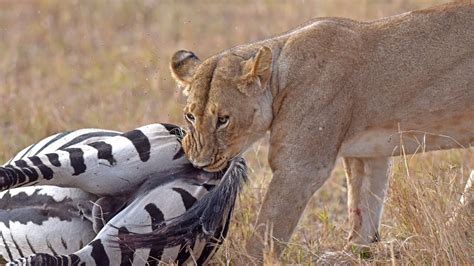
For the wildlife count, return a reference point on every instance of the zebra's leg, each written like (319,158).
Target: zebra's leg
(367,180)
(46,259)
(114,166)
(41,169)
(97,252)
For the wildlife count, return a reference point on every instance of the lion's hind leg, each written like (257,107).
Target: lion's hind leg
(367,180)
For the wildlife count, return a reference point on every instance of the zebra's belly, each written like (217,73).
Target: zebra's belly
(44,219)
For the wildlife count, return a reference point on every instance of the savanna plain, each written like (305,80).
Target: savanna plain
(75,64)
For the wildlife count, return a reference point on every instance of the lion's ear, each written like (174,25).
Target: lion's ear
(256,72)
(183,65)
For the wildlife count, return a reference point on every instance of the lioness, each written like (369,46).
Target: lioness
(333,87)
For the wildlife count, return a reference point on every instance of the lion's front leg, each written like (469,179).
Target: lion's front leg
(298,172)
(287,196)
(367,180)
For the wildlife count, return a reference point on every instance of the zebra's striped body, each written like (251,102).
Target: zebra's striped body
(145,171)
(42,220)
(101,162)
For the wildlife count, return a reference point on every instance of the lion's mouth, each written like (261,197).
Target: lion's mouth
(219,165)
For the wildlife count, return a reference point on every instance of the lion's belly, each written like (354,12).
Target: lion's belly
(418,136)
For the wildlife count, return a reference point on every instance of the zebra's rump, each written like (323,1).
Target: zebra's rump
(144,200)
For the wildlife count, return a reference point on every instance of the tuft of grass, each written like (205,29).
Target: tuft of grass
(74,64)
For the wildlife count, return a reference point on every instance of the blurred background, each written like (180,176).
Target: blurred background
(74,64)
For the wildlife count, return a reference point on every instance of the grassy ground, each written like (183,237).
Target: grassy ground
(74,64)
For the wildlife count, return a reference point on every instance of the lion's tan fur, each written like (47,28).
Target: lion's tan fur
(336,87)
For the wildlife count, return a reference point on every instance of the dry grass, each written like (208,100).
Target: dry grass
(72,64)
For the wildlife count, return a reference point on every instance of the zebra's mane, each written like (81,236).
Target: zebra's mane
(186,172)
(201,220)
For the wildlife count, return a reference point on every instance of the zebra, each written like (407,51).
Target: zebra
(80,157)
(42,219)
(135,194)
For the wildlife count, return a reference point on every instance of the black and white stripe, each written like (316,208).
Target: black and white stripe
(43,219)
(81,156)
(139,180)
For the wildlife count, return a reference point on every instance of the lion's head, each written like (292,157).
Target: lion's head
(228,105)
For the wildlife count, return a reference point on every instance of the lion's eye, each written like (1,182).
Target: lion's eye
(190,117)
(222,121)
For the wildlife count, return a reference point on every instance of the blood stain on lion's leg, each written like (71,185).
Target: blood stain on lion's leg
(356,215)
(367,180)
